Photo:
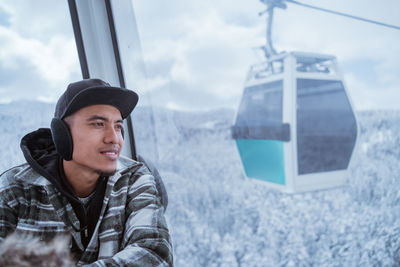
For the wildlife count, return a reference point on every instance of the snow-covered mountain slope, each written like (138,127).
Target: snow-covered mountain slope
(218,217)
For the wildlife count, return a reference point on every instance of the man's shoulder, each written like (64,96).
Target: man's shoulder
(125,162)
(20,175)
(11,175)
(130,171)
(127,165)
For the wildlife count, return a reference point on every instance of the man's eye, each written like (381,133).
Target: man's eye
(119,126)
(98,124)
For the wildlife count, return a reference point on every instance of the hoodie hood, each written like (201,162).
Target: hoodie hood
(40,153)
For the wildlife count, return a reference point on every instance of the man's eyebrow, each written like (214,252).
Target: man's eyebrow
(97,117)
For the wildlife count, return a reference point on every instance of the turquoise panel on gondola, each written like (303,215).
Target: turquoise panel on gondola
(263,159)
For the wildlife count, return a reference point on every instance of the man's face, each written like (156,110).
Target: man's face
(97,137)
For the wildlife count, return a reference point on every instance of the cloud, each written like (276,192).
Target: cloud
(38,19)
(35,65)
(32,60)
(207,45)
(4,17)
(198,49)
(202,47)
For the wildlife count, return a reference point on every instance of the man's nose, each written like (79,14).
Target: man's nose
(111,136)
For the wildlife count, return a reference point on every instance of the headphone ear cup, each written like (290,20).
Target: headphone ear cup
(62,138)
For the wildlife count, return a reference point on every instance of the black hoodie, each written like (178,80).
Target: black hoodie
(41,155)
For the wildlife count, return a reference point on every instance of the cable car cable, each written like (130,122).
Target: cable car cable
(345,15)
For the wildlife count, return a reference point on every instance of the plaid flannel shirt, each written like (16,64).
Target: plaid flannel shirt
(131,230)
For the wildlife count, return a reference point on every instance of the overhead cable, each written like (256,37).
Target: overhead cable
(344,15)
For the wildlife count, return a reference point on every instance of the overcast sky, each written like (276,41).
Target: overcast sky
(197,53)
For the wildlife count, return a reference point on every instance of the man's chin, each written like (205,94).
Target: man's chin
(106,173)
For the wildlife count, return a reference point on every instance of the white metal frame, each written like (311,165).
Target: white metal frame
(101,44)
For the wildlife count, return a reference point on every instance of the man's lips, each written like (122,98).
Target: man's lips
(114,149)
(110,152)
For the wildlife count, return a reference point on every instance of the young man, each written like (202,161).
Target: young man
(76,183)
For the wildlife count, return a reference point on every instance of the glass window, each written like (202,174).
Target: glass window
(260,113)
(38,59)
(326,127)
(261,105)
(197,55)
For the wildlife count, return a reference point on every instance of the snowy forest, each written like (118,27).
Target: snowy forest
(219,217)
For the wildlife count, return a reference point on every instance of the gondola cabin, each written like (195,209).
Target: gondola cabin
(295,128)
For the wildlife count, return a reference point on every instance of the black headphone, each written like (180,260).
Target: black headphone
(62,138)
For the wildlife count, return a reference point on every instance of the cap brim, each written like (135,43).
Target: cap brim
(123,99)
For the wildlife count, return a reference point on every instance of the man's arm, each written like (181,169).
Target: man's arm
(159,183)
(8,213)
(146,240)
(8,220)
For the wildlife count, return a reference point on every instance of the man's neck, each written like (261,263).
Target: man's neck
(82,181)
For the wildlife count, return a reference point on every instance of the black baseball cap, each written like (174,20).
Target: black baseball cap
(89,92)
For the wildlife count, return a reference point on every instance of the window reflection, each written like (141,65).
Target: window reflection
(326,126)
(260,113)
